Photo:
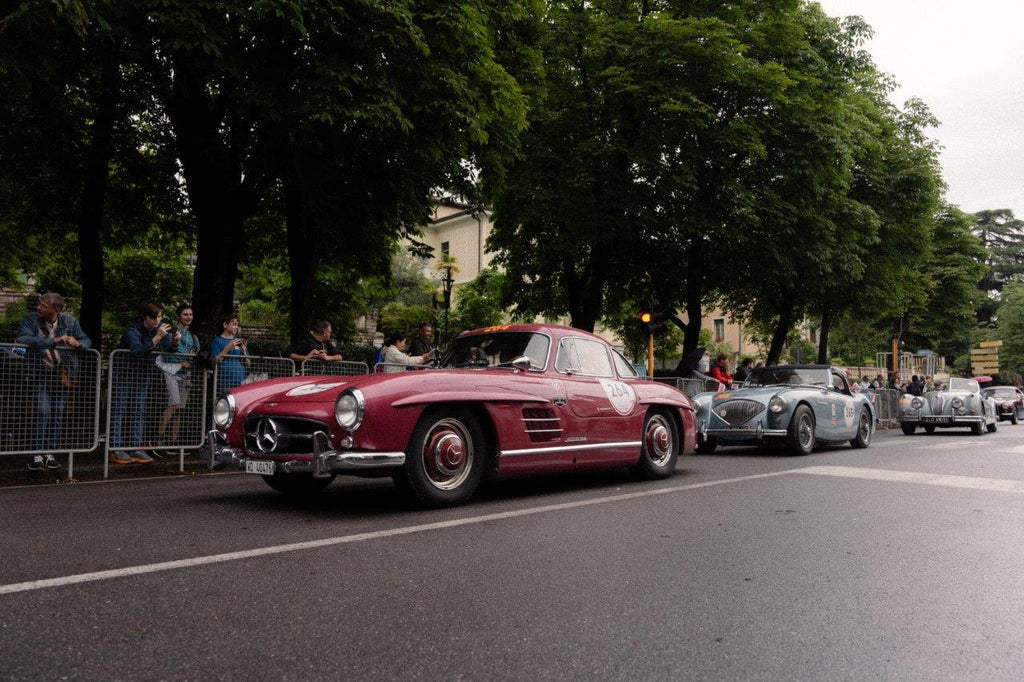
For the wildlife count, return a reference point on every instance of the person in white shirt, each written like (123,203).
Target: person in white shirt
(394,354)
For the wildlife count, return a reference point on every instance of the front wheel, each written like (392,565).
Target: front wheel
(444,461)
(908,429)
(977,428)
(991,427)
(1013,419)
(660,446)
(863,437)
(929,429)
(297,485)
(800,436)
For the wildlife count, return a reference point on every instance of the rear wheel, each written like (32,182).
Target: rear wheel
(800,436)
(297,485)
(908,429)
(660,445)
(863,437)
(444,460)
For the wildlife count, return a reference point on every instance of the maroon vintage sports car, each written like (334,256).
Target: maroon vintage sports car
(1009,401)
(505,401)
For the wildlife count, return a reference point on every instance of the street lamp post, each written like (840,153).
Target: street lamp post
(446,284)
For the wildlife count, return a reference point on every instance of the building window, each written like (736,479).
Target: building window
(445,248)
(813,335)
(720,330)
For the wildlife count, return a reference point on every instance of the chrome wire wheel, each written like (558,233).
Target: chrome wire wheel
(447,454)
(659,440)
(805,432)
(864,430)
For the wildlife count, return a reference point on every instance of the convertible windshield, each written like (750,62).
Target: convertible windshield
(772,376)
(497,349)
(1001,392)
(959,384)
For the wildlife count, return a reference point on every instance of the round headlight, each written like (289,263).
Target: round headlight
(957,402)
(916,403)
(777,404)
(224,411)
(349,409)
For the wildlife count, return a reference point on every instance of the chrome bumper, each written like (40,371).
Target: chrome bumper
(323,463)
(756,433)
(959,420)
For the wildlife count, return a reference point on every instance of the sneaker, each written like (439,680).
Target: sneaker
(141,457)
(51,462)
(37,463)
(120,457)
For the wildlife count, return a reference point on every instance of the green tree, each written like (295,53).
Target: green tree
(478,302)
(1011,331)
(1002,237)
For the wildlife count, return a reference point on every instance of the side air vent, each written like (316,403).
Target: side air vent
(541,424)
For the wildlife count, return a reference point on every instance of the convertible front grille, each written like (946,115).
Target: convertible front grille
(737,412)
(936,403)
(541,424)
(291,436)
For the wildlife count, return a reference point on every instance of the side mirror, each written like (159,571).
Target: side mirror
(522,363)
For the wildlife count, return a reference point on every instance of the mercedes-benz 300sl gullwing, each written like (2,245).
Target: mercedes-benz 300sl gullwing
(793,405)
(958,403)
(506,401)
(1009,402)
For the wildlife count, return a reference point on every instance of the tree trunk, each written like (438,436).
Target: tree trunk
(222,194)
(96,172)
(826,326)
(303,258)
(785,323)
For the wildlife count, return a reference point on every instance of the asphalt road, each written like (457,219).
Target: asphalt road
(903,561)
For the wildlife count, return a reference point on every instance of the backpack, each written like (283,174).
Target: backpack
(378,356)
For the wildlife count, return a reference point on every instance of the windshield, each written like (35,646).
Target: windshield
(1001,392)
(497,349)
(959,384)
(773,376)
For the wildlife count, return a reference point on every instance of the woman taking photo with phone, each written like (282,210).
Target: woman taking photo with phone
(230,354)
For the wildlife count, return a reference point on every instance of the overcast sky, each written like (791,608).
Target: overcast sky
(966,61)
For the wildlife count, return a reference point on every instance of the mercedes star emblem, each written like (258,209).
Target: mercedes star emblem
(266,435)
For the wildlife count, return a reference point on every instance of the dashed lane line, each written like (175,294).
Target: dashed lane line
(944,480)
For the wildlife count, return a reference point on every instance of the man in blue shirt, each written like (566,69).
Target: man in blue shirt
(53,338)
(133,372)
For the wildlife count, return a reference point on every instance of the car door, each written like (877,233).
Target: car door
(605,406)
(842,418)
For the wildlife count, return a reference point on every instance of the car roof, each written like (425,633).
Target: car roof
(556,330)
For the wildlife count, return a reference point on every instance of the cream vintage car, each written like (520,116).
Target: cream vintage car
(956,404)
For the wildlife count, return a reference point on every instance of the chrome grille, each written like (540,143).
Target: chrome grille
(291,436)
(936,403)
(737,412)
(541,424)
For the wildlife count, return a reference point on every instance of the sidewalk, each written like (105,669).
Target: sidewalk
(14,469)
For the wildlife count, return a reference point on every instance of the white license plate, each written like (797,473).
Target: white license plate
(259,466)
(937,420)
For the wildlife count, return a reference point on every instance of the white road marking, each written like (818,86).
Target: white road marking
(993,484)
(359,537)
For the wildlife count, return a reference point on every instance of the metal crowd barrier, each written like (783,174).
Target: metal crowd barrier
(155,404)
(313,367)
(691,387)
(887,402)
(49,404)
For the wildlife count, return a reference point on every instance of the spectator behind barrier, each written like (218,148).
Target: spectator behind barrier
(132,377)
(177,372)
(230,354)
(394,355)
(51,336)
(316,345)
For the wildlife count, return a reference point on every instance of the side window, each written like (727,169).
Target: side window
(622,366)
(839,382)
(567,362)
(593,358)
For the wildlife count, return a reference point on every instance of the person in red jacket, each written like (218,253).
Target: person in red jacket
(720,370)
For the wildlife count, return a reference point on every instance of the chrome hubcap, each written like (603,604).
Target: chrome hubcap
(658,440)
(806,432)
(447,454)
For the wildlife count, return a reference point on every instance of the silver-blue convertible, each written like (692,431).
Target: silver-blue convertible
(795,405)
